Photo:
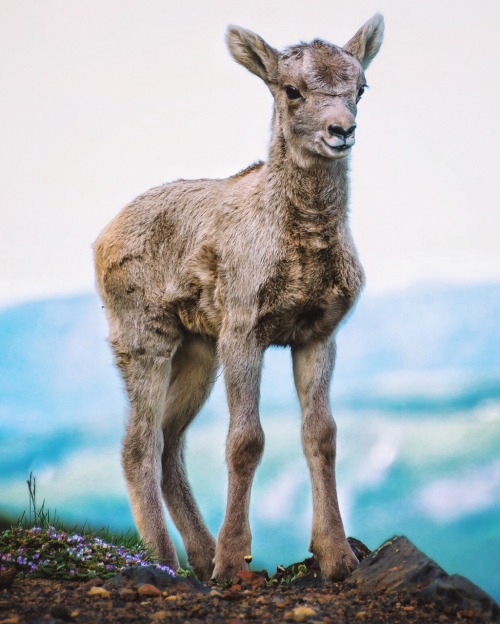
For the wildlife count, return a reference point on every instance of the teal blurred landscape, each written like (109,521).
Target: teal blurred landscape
(416,397)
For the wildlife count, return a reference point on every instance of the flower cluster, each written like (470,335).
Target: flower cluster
(51,553)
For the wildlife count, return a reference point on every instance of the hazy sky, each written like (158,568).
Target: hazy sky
(102,99)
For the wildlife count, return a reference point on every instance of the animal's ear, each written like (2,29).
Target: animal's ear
(367,41)
(253,52)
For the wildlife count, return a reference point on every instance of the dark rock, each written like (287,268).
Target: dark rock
(457,593)
(399,567)
(93,582)
(60,612)
(358,548)
(7,578)
(310,579)
(133,578)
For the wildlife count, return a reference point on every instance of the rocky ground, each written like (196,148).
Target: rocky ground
(396,583)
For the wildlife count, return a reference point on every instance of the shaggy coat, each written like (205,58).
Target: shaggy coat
(197,274)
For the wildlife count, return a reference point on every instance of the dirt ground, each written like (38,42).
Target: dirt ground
(32,601)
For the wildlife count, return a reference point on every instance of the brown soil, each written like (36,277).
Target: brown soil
(33,601)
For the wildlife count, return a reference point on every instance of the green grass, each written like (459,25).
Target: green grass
(39,545)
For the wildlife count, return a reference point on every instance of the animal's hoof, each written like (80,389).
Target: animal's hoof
(227,571)
(201,561)
(203,572)
(338,568)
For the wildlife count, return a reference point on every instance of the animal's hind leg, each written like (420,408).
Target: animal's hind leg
(193,373)
(146,372)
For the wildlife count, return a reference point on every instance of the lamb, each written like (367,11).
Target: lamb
(201,273)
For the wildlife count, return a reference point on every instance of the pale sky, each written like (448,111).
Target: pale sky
(103,99)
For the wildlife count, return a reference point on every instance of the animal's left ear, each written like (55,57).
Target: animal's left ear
(367,41)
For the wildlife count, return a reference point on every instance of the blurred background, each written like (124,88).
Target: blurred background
(102,100)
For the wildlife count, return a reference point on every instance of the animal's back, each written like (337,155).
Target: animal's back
(163,250)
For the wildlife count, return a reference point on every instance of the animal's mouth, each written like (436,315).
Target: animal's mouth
(340,150)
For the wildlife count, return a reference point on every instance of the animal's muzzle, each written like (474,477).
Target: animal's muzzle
(340,137)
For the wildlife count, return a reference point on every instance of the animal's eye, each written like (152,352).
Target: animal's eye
(292,93)
(360,93)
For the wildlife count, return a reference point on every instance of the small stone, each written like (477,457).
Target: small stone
(236,587)
(99,592)
(231,595)
(362,615)
(149,591)
(159,615)
(215,593)
(127,595)
(170,598)
(93,582)
(7,578)
(60,612)
(302,614)
(251,579)
(15,619)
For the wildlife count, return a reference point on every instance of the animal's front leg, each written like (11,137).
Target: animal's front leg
(313,367)
(242,361)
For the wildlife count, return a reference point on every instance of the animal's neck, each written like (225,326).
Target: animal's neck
(315,189)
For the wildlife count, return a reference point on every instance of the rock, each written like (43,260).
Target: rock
(311,579)
(215,593)
(93,582)
(133,578)
(232,595)
(60,612)
(456,593)
(358,548)
(15,619)
(251,579)
(99,592)
(398,566)
(127,595)
(7,578)
(148,591)
(159,615)
(300,614)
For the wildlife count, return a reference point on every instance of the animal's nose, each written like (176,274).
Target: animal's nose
(341,132)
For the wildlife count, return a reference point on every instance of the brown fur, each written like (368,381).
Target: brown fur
(197,273)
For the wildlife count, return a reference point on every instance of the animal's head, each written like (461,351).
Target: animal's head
(316,86)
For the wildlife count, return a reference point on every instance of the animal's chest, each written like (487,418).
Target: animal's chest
(309,293)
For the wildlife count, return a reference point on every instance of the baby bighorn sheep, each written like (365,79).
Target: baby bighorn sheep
(197,273)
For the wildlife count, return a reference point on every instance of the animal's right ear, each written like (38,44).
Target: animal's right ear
(253,52)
